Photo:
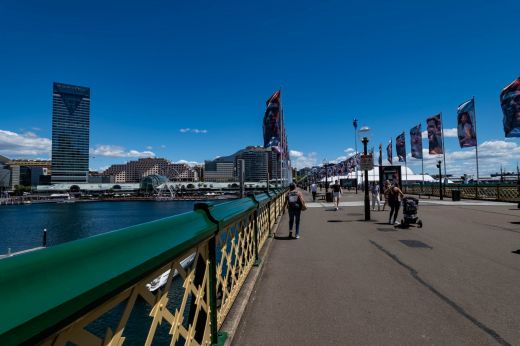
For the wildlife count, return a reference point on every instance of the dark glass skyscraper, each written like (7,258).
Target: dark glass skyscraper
(70,133)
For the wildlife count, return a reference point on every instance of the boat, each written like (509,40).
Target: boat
(161,280)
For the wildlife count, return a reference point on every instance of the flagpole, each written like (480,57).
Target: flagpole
(443,151)
(476,144)
(422,170)
(405,164)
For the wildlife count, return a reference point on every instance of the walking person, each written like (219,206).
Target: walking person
(394,202)
(336,193)
(375,196)
(314,190)
(295,206)
(386,192)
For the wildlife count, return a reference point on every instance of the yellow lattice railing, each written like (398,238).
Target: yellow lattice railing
(172,281)
(487,192)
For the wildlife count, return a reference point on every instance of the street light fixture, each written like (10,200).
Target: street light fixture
(440,179)
(364,132)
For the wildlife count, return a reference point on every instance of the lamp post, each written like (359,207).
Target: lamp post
(325,164)
(354,123)
(440,178)
(365,131)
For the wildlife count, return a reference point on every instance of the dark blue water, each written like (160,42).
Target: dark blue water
(21,226)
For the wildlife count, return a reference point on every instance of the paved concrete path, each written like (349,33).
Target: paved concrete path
(456,281)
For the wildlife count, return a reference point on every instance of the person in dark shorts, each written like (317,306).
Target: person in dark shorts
(336,193)
(394,196)
(295,205)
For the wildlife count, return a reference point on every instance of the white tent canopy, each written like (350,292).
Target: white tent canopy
(373,175)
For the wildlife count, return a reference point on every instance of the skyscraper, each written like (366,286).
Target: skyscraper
(70,133)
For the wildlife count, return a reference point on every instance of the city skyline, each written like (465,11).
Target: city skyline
(175,93)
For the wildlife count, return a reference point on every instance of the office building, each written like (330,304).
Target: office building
(70,133)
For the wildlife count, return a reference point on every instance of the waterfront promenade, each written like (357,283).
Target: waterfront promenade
(347,281)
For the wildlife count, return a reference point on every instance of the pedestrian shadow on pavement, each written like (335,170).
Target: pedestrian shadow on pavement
(386,229)
(340,220)
(515,222)
(286,237)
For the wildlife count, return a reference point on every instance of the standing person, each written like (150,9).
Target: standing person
(386,193)
(314,190)
(374,189)
(295,206)
(394,202)
(336,191)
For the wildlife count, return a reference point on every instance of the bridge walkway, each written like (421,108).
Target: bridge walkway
(347,281)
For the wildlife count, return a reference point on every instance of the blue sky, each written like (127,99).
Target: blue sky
(158,68)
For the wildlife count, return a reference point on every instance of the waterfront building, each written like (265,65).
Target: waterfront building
(256,163)
(5,177)
(70,133)
(134,171)
(46,165)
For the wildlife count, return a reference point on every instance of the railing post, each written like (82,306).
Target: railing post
(255,231)
(269,218)
(212,256)
(498,192)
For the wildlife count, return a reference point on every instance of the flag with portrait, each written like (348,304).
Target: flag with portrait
(389,151)
(466,124)
(434,127)
(416,141)
(272,123)
(510,103)
(400,147)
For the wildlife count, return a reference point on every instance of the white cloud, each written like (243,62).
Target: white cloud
(117,151)
(492,155)
(349,151)
(163,146)
(295,154)
(188,130)
(26,144)
(149,147)
(302,161)
(448,133)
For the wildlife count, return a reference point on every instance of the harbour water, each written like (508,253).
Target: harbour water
(21,226)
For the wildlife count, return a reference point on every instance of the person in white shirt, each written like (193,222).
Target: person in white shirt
(314,190)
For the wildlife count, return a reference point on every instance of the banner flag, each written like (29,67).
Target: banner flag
(272,123)
(416,141)
(400,147)
(389,151)
(434,134)
(466,124)
(510,102)
(380,154)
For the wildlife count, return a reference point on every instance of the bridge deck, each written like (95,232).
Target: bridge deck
(351,282)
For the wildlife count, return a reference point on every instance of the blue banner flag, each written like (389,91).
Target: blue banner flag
(510,102)
(466,124)
(434,127)
(400,147)
(416,141)
(389,151)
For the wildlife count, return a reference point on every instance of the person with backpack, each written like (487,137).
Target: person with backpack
(295,205)
(336,193)
(394,202)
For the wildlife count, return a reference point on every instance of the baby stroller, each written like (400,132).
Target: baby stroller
(410,205)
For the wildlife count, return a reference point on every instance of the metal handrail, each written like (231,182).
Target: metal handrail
(43,292)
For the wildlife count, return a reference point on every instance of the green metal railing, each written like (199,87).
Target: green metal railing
(503,193)
(94,290)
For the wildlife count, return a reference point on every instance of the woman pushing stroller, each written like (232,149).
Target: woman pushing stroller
(394,201)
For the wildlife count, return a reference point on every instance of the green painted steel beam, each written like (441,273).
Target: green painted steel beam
(43,291)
